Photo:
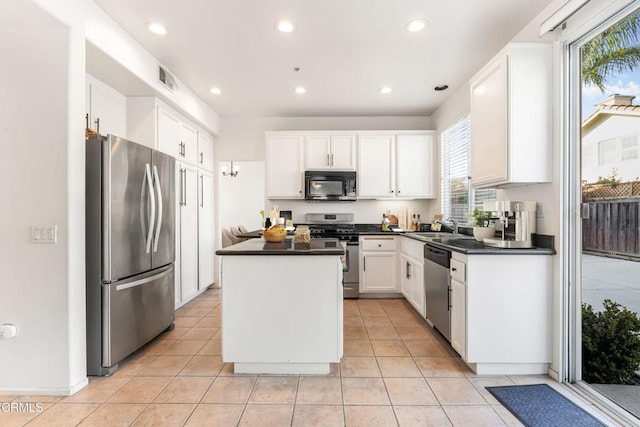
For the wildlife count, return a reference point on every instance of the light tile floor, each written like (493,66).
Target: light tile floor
(395,371)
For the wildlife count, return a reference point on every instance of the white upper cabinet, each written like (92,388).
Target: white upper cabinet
(414,166)
(284,165)
(106,108)
(205,151)
(396,165)
(511,118)
(376,159)
(154,124)
(329,151)
(176,137)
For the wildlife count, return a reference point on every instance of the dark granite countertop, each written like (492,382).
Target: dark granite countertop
(469,245)
(286,247)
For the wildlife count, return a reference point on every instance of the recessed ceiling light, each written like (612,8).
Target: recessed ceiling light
(284,25)
(157,28)
(441,88)
(415,25)
(385,89)
(215,91)
(301,90)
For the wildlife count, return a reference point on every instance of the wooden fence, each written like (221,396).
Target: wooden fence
(613,227)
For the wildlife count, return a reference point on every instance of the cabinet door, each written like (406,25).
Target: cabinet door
(379,272)
(343,152)
(417,285)
(406,287)
(317,152)
(375,166)
(205,230)
(489,151)
(107,109)
(458,318)
(168,132)
(189,137)
(205,151)
(415,166)
(284,167)
(187,237)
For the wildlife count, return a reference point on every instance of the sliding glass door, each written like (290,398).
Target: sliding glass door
(604,185)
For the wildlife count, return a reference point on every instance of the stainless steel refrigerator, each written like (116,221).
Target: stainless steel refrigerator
(130,249)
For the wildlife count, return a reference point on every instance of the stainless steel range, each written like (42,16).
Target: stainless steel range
(340,226)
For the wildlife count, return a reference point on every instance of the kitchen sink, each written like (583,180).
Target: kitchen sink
(460,242)
(431,234)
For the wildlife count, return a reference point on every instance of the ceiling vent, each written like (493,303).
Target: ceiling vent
(166,79)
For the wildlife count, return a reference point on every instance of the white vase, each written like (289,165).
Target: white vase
(480,233)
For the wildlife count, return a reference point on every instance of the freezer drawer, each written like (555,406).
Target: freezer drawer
(135,311)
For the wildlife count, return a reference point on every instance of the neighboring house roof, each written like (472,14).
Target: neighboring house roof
(615,105)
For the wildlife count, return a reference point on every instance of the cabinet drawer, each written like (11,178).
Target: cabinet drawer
(378,244)
(458,271)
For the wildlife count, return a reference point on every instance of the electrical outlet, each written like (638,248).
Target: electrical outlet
(44,234)
(8,330)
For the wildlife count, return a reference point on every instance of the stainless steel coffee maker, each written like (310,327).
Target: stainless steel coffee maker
(516,224)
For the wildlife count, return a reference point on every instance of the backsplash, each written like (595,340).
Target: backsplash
(365,211)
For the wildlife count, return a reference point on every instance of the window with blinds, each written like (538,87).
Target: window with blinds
(458,200)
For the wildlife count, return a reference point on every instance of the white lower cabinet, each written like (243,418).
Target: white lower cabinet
(500,314)
(412,273)
(458,305)
(378,264)
(205,229)
(186,264)
(458,314)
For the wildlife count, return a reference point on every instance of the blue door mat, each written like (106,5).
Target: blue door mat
(538,405)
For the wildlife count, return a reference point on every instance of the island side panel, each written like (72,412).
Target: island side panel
(281,309)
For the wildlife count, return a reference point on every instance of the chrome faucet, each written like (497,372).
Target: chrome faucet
(455,224)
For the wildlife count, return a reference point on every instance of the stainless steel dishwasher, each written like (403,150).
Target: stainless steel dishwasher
(437,282)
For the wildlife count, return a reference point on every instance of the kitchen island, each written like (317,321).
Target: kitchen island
(282,306)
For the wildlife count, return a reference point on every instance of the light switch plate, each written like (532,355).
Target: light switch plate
(44,234)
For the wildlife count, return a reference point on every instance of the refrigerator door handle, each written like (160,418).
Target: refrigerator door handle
(156,182)
(152,202)
(142,281)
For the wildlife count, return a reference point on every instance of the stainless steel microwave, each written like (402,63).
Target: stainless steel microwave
(330,185)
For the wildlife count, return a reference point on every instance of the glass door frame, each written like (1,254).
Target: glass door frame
(571,89)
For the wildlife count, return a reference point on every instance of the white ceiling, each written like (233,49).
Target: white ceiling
(345,49)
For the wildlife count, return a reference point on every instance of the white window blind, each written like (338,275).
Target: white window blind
(629,147)
(457,198)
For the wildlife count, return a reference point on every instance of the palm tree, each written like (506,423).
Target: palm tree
(613,51)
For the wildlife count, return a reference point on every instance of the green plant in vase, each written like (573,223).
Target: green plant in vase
(483,228)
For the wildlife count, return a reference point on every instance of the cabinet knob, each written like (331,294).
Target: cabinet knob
(454,269)
(390,191)
(379,245)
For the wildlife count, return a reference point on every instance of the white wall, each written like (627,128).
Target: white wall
(242,138)
(42,181)
(612,127)
(241,198)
